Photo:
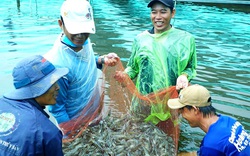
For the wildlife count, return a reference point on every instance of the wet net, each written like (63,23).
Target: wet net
(115,129)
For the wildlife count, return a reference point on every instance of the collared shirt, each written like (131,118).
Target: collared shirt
(25,129)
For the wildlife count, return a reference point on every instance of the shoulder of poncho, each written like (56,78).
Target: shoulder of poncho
(182,32)
(58,57)
(142,35)
(145,32)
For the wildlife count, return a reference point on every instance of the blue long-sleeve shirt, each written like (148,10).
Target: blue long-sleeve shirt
(25,129)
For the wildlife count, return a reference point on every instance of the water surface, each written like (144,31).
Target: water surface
(222,38)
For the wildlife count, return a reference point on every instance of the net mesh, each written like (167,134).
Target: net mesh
(115,111)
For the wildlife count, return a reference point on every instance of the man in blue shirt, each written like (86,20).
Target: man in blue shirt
(225,136)
(25,128)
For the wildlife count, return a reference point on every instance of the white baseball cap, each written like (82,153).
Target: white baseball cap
(78,17)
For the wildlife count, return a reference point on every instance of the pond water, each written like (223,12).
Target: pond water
(222,38)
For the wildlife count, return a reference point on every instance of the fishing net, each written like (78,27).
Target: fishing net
(116,129)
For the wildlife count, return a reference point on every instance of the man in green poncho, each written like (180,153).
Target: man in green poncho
(161,57)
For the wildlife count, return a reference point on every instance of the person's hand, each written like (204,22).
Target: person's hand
(181,82)
(111,59)
(120,76)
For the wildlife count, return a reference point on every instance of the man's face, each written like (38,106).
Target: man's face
(77,39)
(191,115)
(161,17)
(49,97)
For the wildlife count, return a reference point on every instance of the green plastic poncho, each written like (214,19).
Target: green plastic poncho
(156,62)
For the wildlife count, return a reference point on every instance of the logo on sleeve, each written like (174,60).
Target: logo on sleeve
(8,123)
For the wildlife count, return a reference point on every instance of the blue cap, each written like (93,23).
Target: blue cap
(168,3)
(33,76)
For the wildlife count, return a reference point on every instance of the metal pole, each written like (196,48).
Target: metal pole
(18,4)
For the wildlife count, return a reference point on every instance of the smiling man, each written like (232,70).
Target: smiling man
(25,128)
(161,57)
(79,94)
